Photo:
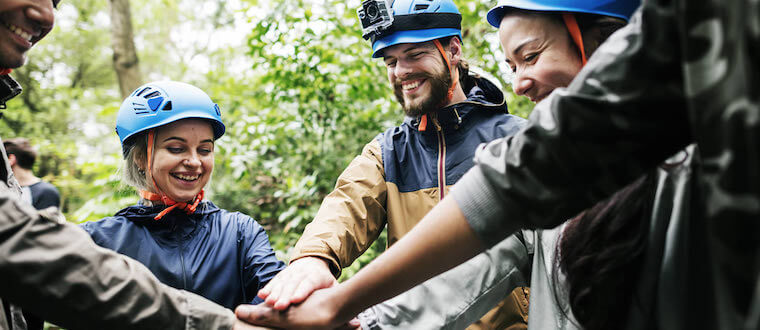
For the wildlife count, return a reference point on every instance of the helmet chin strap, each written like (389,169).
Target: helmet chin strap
(449,94)
(575,33)
(189,208)
(5,71)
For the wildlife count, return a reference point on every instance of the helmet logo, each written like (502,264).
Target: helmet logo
(155,102)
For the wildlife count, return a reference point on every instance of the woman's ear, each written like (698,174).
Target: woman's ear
(140,161)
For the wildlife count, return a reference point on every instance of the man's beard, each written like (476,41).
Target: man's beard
(439,91)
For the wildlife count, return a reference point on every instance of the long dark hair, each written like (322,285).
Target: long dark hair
(601,251)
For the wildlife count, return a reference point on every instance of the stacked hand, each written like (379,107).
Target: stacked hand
(286,304)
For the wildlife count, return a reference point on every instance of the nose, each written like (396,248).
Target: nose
(522,83)
(402,70)
(192,161)
(41,12)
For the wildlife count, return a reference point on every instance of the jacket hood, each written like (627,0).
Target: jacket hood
(481,93)
(144,214)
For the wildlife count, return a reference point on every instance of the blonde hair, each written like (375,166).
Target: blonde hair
(137,152)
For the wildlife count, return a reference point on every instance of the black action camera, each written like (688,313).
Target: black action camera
(374,16)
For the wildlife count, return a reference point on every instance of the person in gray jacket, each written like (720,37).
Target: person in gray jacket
(53,268)
(681,72)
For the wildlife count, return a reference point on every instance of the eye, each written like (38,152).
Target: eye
(205,151)
(416,55)
(530,57)
(175,150)
(390,63)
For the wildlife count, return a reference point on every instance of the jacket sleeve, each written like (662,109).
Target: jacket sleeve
(624,113)
(54,269)
(259,263)
(460,296)
(352,216)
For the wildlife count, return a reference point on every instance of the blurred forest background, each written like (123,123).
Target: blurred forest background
(299,94)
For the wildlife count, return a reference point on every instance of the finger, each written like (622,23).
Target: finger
(282,277)
(257,315)
(267,289)
(304,289)
(354,324)
(283,299)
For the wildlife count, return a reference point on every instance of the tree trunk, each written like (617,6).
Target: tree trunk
(125,60)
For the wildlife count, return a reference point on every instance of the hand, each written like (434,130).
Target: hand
(296,282)
(319,311)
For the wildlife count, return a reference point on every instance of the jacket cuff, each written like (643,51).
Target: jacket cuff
(479,203)
(204,314)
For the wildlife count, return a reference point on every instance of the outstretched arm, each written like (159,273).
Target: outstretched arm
(443,232)
(55,270)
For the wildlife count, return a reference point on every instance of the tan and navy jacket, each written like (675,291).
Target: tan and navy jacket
(402,173)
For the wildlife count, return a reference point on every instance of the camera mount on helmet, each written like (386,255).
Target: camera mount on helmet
(374,17)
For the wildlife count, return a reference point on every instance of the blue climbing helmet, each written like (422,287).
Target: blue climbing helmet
(615,8)
(408,21)
(159,103)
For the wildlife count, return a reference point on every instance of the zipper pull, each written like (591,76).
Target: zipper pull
(459,119)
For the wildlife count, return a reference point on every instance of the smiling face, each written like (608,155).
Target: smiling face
(183,158)
(539,52)
(419,75)
(22,24)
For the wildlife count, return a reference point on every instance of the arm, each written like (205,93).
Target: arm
(350,218)
(55,270)
(259,264)
(624,113)
(460,296)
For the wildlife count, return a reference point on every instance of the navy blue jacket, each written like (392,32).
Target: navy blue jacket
(221,255)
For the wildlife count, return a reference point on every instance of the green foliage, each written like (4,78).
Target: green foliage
(299,91)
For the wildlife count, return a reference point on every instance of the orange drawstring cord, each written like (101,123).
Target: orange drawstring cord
(166,200)
(187,207)
(575,33)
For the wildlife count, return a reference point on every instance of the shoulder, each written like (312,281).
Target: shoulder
(106,227)
(44,187)
(501,125)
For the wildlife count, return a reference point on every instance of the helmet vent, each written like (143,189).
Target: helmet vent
(139,108)
(167,106)
(421,6)
(139,92)
(155,93)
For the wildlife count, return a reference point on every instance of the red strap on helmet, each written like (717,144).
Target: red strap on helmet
(450,93)
(5,71)
(166,200)
(575,33)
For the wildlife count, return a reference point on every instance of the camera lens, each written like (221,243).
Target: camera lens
(372,11)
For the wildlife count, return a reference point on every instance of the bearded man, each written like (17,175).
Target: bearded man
(406,170)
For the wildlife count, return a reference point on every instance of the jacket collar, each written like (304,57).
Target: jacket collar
(9,88)
(481,94)
(144,214)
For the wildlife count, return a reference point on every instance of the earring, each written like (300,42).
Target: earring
(141,171)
